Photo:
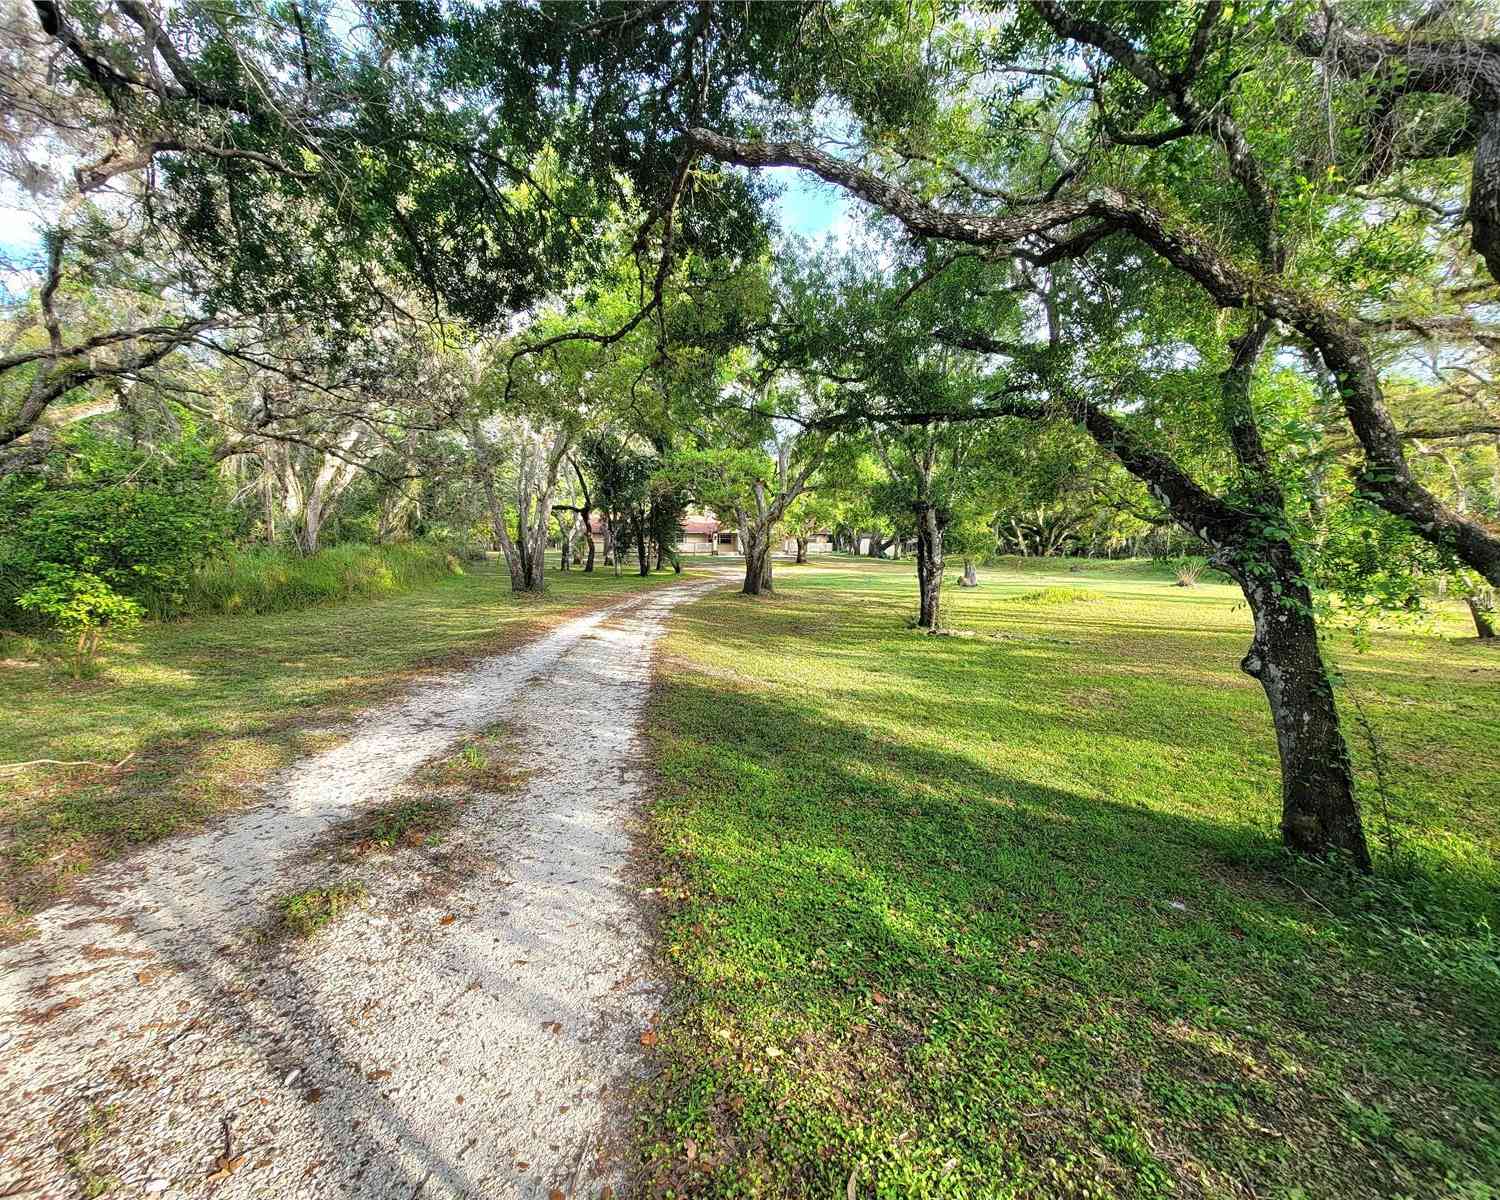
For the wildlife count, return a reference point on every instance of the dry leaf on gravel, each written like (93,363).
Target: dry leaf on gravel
(224,1167)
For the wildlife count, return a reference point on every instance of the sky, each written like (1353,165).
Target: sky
(18,228)
(810,208)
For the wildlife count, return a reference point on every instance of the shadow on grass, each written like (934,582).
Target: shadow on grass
(967,980)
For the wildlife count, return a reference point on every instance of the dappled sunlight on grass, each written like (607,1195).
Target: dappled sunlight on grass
(986,917)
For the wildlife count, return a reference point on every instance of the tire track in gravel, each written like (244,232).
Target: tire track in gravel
(401,1053)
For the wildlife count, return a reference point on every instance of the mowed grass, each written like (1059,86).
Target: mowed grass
(208,707)
(1006,915)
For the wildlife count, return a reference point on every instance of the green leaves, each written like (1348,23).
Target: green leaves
(77,601)
(135,521)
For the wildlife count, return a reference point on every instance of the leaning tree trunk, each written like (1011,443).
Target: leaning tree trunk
(1482,609)
(502,538)
(1319,813)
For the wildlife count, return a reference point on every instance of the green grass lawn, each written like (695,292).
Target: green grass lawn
(1006,915)
(208,706)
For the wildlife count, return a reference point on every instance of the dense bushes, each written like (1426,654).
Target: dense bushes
(109,520)
(266,580)
(107,533)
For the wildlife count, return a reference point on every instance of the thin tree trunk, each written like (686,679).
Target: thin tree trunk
(499,530)
(565,539)
(584,511)
(611,559)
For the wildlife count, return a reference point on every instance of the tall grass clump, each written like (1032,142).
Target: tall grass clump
(271,579)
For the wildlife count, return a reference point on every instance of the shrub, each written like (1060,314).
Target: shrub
(1186,571)
(81,606)
(136,522)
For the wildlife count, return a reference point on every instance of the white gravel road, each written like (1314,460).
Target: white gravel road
(465,1034)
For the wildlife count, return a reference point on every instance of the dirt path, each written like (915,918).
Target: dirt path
(460,1036)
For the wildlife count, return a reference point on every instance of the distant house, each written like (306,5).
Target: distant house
(703,533)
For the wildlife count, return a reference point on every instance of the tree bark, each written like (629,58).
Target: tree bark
(801,549)
(500,532)
(971,577)
(565,539)
(757,529)
(538,482)
(310,523)
(758,581)
(310,500)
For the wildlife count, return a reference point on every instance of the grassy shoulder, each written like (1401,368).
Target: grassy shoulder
(206,708)
(1004,915)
